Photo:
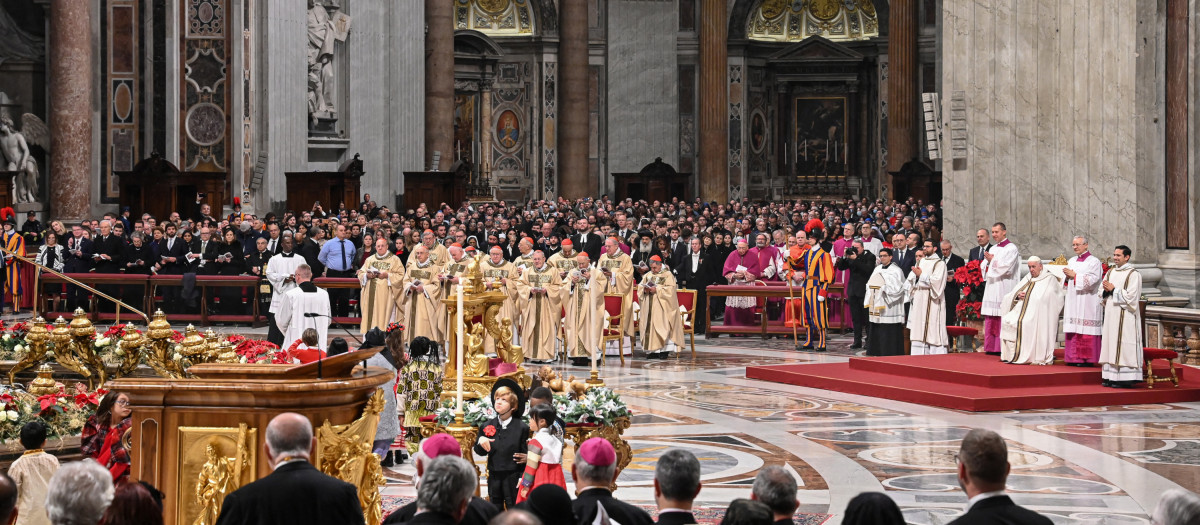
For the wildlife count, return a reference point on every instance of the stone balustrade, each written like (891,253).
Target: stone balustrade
(1175,329)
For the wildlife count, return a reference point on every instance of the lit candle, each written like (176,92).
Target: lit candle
(459,347)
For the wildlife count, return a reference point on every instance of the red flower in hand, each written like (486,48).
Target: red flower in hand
(489,431)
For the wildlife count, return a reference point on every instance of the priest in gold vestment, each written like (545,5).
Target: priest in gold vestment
(451,268)
(661,323)
(420,297)
(564,261)
(585,310)
(380,276)
(538,290)
(501,275)
(617,268)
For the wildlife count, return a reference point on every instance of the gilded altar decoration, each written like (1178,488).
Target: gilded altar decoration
(481,316)
(495,17)
(37,337)
(44,385)
(344,452)
(787,21)
(213,462)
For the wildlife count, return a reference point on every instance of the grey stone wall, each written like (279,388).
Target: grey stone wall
(643,84)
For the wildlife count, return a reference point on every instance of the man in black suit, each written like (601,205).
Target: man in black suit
(861,264)
(587,241)
(677,247)
(906,252)
(775,487)
(479,511)
(593,472)
(306,247)
(108,257)
(202,253)
(982,471)
(676,484)
(694,271)
(296,492)
(953,289)
(274,239)
(985,244)
(78,259)
(172,251)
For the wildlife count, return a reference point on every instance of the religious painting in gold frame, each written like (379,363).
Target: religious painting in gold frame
(206,478)
(820,148)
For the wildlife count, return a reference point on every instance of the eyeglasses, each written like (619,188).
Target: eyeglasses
(123,402)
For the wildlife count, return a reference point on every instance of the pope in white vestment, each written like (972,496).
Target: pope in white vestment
(305,306)
(1001,271)
(1030,320)
(886,295)
(1121,344)
(927,317)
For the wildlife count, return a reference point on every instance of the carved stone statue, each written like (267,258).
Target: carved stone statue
(323,31)
(14,148)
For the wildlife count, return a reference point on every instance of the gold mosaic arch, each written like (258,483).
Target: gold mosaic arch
(495,17)
(795,20)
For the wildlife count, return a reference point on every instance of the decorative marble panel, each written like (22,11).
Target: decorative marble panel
(205,54)
(122,97)
(495,17)
(549,129)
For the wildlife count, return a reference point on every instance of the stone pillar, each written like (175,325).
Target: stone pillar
(485,127)
(902,85)
(574,178)
(70,109)
(439,82)
(1176,114)
(714,101)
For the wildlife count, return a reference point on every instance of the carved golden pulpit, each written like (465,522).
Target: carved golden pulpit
(198,439)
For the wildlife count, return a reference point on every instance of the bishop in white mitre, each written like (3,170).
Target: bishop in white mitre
(927,317)
(1083,314)
(1001,271)
(1030,320)
(1121,344)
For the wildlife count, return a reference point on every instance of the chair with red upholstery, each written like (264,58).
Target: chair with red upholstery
(614,323)
(1152,354)
(687,299)
(633,341)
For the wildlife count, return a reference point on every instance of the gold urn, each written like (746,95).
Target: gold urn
(132,340)
(44,383)
(193,343)
(211,341)
(81,326)
(61,335)
(38,334)
(159,328)
(225,353)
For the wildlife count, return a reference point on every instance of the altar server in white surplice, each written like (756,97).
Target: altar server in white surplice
(305,306)
(927,317)
(886,295)
(281,273)
(1030,318)
(1121,345)
(1001,271)
(1083,315)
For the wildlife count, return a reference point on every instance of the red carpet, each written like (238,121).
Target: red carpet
(974,382)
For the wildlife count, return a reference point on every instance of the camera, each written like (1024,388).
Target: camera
(850,250)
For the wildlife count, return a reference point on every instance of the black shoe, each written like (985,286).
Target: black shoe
(856,346)
(1124,384)
(807,348)
(1105,382)
(821,349)
(579,361)
(387,460)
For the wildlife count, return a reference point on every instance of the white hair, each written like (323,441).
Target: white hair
(79,493)
(1178,507)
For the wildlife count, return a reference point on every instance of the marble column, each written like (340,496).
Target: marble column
(714,101)
(70,81)
(902,85)
(1176,113)
(439,82)
(485,125)
(574,178)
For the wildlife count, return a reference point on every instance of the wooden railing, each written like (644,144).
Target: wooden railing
(772,290)
(1175,329)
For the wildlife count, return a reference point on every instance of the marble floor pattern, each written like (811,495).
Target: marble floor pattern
(1103,465)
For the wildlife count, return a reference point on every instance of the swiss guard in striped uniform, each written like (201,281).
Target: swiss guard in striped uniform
(818,268)
(15,244)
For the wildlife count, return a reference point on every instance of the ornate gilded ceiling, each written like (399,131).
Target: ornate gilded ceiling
(495,17)
(795,20)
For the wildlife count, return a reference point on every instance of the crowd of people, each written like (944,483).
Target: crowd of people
(37,490)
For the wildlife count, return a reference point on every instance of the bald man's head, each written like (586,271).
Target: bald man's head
(289,436)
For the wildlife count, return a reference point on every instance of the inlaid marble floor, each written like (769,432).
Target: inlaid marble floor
(1090,465)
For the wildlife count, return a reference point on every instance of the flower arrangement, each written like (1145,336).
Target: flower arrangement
(596,406)
(64,412)
(970,278)
(258,352)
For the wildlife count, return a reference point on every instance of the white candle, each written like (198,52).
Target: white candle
(459,346)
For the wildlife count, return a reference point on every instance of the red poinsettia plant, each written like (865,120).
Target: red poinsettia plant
(970,278)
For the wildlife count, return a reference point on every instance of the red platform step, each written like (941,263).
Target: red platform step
(972,381)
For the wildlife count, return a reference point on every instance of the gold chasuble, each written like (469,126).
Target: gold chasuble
(585,311)
(420,300)
(538,293)
(660,320)
(379,293)
(621,283)
(494,276)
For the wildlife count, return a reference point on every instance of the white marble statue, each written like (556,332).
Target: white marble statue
(321,36)
(14,148)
